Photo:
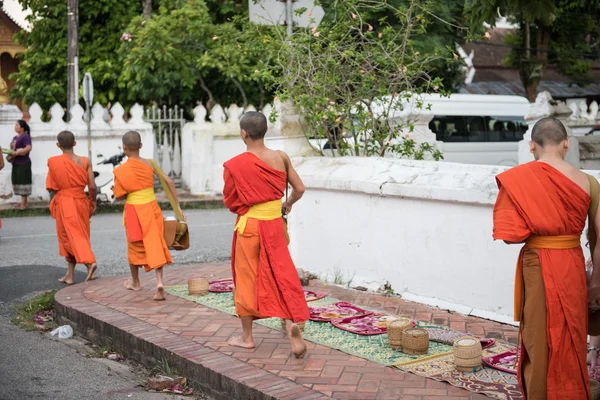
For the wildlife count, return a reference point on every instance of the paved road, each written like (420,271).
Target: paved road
(35,366)
(32,241)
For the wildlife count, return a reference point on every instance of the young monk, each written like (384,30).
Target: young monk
(266,281)
(68,175)
(544,204)
(143,219)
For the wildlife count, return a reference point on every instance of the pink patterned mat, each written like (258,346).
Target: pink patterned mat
(312,296)
(503,361)
(372,324)
(341,309)
(221,286)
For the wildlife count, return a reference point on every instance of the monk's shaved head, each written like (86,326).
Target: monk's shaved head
(132,140)
(255,124)
(66,140)
(548,131)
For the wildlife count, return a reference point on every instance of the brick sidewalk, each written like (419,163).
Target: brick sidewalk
(193,339)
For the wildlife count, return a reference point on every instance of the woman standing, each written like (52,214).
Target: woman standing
(21,170)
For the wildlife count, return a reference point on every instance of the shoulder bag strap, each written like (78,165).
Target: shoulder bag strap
(167,190)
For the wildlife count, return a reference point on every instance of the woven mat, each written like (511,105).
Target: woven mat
(488,381)
(437,364)
(372,348)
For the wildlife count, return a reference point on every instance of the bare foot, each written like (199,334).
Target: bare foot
(160,293)
(22,207)
(91,270)
(298,345)
(238,341)
(130,286)
(64,279)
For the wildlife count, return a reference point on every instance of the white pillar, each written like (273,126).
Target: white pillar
(288,133)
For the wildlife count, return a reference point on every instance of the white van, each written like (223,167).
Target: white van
(479,129)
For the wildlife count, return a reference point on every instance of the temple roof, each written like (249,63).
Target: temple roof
(13,10)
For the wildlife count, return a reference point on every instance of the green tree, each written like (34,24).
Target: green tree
(564,33)
(349,78)
(42,75)
(181,55)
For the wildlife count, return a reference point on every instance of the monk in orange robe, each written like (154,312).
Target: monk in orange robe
(266,281)
(544,204)
(68,175)
(143,219)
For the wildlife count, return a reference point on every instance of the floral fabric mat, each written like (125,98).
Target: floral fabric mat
(221,286)
(372,324)
(328,312)
(372,348)
(437,364)
(489,382)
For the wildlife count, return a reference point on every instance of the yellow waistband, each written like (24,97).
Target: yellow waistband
(553,242)
(263,212)
(141,196)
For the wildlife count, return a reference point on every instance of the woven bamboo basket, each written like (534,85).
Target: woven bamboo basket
(300,325)
(595,389)
(415,341)
(467,347)
(467,354)
(394,331)
(470,369)
(198,286)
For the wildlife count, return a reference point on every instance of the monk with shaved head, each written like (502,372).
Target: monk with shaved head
(143,219)
(266,281)
(544,205)
(68,175)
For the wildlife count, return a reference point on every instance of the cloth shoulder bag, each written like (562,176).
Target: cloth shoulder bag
(176,234)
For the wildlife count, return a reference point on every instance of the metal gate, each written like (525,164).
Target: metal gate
(167,125)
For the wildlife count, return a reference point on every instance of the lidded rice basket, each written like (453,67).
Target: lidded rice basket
(198,286)
(467,354)
(300,325)
(415,341)
(394,331)
(595,389)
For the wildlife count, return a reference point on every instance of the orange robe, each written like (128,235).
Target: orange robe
(144,223)
(266,281)
(536,201)
(71,208)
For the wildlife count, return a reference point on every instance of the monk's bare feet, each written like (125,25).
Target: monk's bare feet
(66,280)
(91,270)
(298,345)
(160,293)
(238,341)
(130,286)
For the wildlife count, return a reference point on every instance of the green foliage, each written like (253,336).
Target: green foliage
(350,78)
(26,312)
(42,75)
(181,56)
(563,33)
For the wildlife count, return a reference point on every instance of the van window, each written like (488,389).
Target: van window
(453,128)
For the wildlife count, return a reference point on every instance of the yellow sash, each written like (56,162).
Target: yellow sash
(263,212)
(143,196)
(539,242)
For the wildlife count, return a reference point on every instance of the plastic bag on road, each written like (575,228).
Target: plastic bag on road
(63,332)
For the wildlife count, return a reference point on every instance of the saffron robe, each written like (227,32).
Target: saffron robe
(265,278)
(71,208)
(535,199)
(144,223)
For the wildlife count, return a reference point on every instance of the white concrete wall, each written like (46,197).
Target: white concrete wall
(106,140)
(424,227)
